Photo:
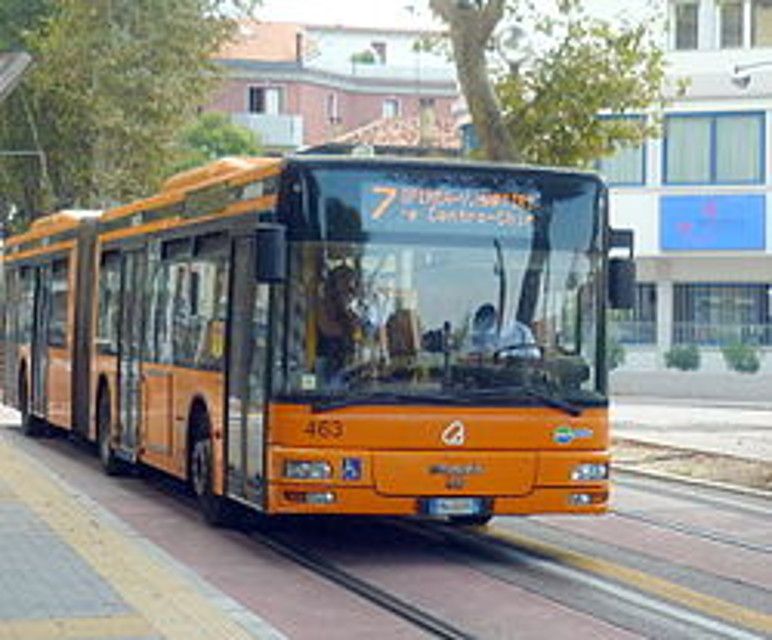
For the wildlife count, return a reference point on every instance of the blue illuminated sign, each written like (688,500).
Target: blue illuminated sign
(700,223)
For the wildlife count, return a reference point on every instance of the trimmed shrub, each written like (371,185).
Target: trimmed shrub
(685,357)
(740,357)
(615,353)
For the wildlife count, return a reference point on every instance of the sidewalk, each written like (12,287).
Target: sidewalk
(69,569)
(742,430)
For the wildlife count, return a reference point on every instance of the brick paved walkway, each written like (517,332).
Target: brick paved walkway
(69,570)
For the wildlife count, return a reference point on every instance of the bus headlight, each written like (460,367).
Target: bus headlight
(590,471)
(307,469)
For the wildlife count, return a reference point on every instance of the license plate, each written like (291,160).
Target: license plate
(454,506)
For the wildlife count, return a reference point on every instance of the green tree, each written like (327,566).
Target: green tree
(19,16)
(114,83)
(544,108)
(214,136)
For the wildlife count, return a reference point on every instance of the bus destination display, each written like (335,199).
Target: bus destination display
(391,206)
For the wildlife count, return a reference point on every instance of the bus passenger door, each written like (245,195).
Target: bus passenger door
(39,364)
(248,338)
(130,348)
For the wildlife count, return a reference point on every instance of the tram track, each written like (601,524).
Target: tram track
(725,497)
(504,559)
(679,611)
(427,622)
(739,502)
(693,531)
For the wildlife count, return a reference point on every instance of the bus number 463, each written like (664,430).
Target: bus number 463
(324,429)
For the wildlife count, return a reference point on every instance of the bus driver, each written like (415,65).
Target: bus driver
(339,325)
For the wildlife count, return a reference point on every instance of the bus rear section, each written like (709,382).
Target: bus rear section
(48,276)
(436,348)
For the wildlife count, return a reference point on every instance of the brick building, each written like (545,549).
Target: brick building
(299,85)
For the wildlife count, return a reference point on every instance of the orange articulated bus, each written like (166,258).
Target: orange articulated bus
(328,335)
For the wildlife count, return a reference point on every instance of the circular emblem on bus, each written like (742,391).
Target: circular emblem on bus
(454,434)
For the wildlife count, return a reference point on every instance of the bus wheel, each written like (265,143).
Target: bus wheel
(470,521)
(214,507)
(30,425)
(110,463)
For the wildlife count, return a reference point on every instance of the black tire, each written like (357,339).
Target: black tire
(214,508)
(30,425)
(111,465)
(470,521)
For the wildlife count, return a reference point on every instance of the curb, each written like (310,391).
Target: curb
(690,403)
(749,492)
(701,452)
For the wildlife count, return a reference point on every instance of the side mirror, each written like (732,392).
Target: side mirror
(271,259)
(621,283)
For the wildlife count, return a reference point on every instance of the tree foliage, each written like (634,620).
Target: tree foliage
(17,17)
(214,136)
(549,102)
(114,83)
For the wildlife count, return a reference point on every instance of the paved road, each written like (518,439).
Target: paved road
(671,562)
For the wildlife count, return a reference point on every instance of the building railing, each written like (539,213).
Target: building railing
(634,331)
(412,73)
(282,130)
(718,334)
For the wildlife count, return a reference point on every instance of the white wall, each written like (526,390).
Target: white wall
(333,50)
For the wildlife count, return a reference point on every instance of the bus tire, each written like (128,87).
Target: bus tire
(30,425)
(214,507)
(111,465)
(470,521)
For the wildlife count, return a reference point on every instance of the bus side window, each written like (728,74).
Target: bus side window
(109,293)
(208,301)
(57,319)
(158,327)
(171,302)
(26,305)
(12,305)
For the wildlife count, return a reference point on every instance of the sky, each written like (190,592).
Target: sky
(388,13)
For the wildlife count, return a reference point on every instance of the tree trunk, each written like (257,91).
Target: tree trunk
(471,27)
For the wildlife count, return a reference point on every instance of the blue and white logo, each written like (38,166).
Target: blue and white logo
(566,434)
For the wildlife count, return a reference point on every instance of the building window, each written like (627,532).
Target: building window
(732,21)
(391,108)
(714,149)
(265,100)
(761,21)
(380,51)
(639,325)
(715,314)
(686,25)
(626,165)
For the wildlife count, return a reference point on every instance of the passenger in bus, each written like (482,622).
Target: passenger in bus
(340,328)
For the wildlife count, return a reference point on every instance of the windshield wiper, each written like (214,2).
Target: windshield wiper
(544,397)
(340,401)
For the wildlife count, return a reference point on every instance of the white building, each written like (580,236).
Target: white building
(700,199)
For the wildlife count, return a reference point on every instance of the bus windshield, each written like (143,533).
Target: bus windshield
(469,285)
